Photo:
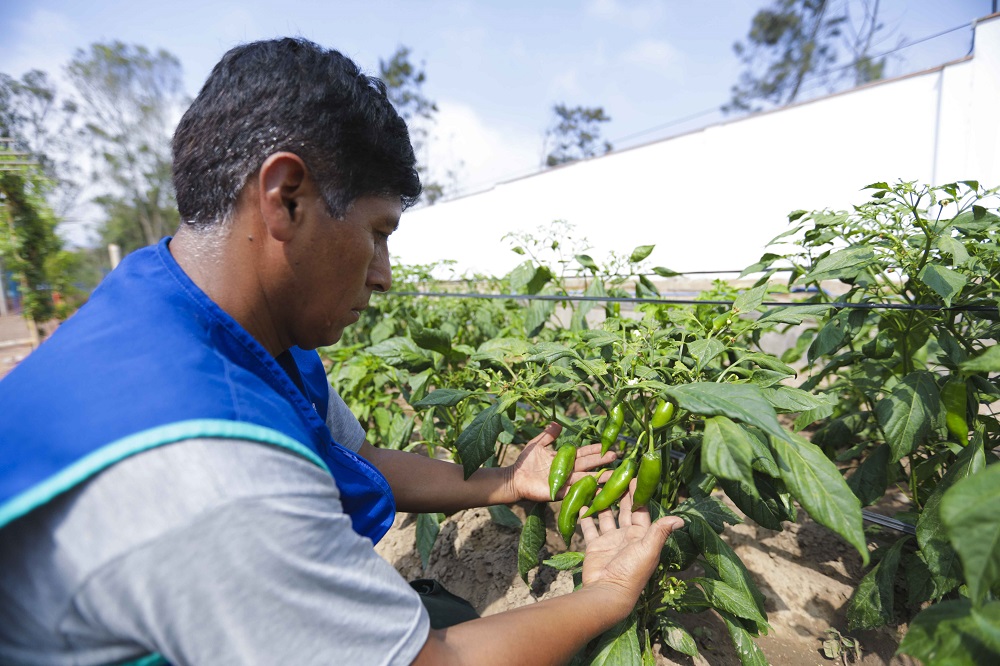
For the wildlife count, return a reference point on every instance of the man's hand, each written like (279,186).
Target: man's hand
(624,554)
(530,472)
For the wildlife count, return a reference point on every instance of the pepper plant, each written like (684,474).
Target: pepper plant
(910,360)
(682,391)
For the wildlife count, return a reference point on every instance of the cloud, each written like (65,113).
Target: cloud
(654,54)
(43,40)
(640,15)
(479,153)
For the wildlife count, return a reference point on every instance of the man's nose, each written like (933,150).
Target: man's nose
(380,273)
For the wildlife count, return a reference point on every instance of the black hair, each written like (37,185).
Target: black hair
(290,95)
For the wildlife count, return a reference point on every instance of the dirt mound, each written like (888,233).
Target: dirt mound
(806,573)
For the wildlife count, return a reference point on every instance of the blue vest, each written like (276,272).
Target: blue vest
(151,360)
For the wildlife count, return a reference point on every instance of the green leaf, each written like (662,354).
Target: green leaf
(726,450)
(710,509)
(527,278)
(539,313)
(532,540)
(727,598)
(724,560)
(941,558)
(978,219)
(665,272)
(786,399)
(876,186)
(750,300)
(953,632)
(747,649)
(432,339)
(443,398)
(476,444)
(945,282)
(619,645)
(548,353)
(845,263)
(870,480)
(988,361)
(587,263)
(640,253)
(703,351)
(677,637)
(871,605)
(740,402)
(794,314)
(969,511)
(402,352)
(565,561)
(951,246)
(428,528)
(907,413)
(760,501)
(503,516)
(818,486)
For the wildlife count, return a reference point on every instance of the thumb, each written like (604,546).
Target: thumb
(658,532)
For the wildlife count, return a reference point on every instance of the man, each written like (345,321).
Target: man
(177,482)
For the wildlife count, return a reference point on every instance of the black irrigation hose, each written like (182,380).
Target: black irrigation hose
(689,301)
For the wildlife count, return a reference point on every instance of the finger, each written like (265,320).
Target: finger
(625,505)
(606,520)
(547,436)
(588,527)
(657,534)
(576,476)
(587,461)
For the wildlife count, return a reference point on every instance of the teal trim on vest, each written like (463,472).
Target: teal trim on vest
(149,660)
(116,451)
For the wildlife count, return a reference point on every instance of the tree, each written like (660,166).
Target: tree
(793,41)
(575,134)
(129,98)
(31,113)
(404,84)
(28,237)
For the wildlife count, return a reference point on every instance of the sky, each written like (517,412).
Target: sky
(495,69)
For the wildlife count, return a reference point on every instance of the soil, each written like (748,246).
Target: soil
(806,573)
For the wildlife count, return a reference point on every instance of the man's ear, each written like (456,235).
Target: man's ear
(282,181)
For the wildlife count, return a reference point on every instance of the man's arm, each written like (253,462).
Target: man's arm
(425,485)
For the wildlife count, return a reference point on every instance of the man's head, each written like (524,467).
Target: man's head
(290,95)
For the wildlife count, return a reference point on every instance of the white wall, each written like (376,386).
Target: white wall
(711,199)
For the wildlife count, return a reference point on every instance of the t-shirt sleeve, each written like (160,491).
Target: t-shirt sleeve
(274,579)
(343,424)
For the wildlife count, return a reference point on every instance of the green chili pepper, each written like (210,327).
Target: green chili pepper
(721,322)
(954,397)
(612,426)
(881,347)
(650,469)
(579,495)
(615,487)
(662,413)
(562,467)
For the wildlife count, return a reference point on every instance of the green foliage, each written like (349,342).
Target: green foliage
(913,378)
(479,375)
(404,83)
(575,134)
(28,241)
(792,42)
(128,100)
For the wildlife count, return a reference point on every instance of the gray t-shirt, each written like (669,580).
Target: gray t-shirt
(208,552)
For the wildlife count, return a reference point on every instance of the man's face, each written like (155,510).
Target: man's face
(339,265)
